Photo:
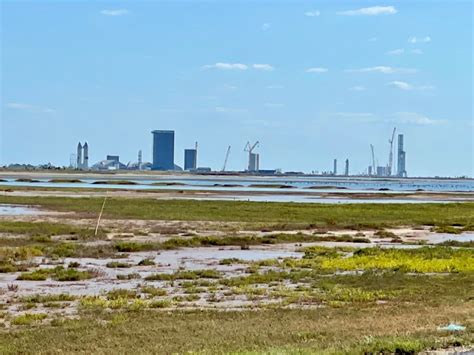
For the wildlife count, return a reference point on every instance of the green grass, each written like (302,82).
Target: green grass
(58,273)
(185,275)
(45,229)
(146,262)
(315,215)
(276,331)
(117,265)
(121,293)
(457,243)
(28,318)
(421,260)
(48,298)
(153,291)
(114,182)
(65,181)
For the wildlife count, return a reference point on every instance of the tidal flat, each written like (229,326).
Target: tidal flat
(234,277)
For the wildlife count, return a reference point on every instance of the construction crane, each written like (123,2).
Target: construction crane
(249,148)
(226,158)
(196,155)
(373,160)
(390,156)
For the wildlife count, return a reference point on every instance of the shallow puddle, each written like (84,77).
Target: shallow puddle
(16,210)
(436,238)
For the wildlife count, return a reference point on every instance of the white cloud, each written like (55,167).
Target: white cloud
(412,118)
(397,51)
(402,85)
(414,39)
(115,12)
(316,70)
(358,88)
(29,108)
(238,66)
(312,13)
(417,51)
(382,69)
(264,67)
(415,118)
(266,26)
(370,11)
(226,66)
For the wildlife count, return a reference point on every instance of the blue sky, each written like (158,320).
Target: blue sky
(312,81)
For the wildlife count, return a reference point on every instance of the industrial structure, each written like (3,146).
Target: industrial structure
(226,158)
(190,158)
(388,170)
(111,162)
(163,150)
(401,156)
(390,154)
(82,156)
(140,160)
(372,168)
(254,158)
(163,159)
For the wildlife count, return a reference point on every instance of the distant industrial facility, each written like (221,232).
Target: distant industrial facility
(387,170)
(190,158)
(82,156)
(163,150)
(111,162)
(401,170)
(254,158)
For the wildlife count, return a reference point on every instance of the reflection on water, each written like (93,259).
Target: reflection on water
(305,199)
(273,189)
(13,210)
(295,184)
(436,238)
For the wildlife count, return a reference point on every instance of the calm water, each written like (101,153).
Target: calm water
(443,237)
(14,210)
(298,184)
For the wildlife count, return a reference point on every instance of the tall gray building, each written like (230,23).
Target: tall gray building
(79,156)
(401,158)
(190,159)
(254,162)
(334,170)
(82,156)
(163,150)
(85,162)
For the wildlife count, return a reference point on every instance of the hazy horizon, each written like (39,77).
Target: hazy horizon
(312,81)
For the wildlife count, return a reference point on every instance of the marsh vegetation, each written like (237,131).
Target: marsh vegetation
(155,267)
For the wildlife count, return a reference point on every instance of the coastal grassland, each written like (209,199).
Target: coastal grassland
(373,308)
(419,260)
(45,229)
(352,330)
(297,214)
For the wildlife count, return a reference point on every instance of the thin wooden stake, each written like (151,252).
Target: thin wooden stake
(100,215)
